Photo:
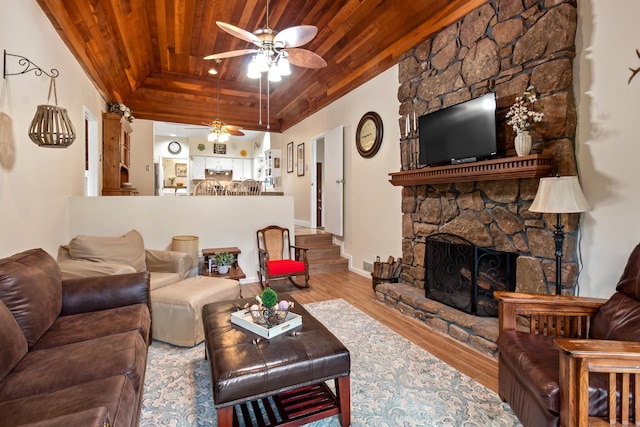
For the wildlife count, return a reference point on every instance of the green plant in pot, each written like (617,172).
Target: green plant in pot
(224,261)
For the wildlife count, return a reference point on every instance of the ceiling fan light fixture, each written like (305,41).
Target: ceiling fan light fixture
(262,62)
(212,137)
(252,70)
(283,66)
(274,75)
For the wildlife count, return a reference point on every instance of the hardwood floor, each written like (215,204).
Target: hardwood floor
(357,290)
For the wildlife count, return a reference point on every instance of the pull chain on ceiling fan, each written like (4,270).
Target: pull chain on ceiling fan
(220,131)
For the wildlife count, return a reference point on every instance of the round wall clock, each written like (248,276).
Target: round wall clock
(369,134)
(175,147)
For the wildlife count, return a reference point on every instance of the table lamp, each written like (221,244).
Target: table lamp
(559,194)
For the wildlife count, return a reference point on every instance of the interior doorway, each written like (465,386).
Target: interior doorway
(91,154)
(328,151)
(319,186)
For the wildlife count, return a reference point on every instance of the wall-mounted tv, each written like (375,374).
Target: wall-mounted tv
(464,132)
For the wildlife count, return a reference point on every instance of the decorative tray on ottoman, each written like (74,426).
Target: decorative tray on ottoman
(242,318)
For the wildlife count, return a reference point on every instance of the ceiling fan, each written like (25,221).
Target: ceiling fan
(220,131)
(275,50)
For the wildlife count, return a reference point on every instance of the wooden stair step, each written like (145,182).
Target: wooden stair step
(328,265)
(324,251)
(314,239)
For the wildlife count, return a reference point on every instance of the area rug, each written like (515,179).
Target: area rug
(393,381)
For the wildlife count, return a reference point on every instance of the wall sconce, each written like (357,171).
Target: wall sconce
(51,126)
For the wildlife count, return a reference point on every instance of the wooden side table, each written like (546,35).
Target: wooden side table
(235,272)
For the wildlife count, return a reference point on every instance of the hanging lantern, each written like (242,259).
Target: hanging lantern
(51,126)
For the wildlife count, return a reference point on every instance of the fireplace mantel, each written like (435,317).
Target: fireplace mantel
(531,166)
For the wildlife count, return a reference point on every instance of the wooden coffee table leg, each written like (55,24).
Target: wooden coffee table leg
(343,390)
(225,416)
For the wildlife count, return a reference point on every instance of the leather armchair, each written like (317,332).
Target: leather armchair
(572,361)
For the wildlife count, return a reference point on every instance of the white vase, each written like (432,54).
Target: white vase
(223,269)
(522,143)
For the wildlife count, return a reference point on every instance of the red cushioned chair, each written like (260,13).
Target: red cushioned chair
(279,259)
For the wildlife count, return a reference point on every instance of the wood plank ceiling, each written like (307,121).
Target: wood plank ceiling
(149,53)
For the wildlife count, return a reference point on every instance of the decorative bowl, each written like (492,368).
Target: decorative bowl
(268,316)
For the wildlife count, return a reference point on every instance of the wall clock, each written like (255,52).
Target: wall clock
(175,147)
(369,134)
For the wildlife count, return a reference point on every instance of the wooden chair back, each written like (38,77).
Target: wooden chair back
(275,241)
(250,187)
(232,188)
(209,187)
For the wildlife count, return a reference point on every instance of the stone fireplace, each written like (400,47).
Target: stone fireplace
(504,46)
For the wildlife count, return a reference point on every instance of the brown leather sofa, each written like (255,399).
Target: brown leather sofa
(560,355)
(73,352)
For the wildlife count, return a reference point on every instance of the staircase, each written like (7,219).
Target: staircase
(322,254)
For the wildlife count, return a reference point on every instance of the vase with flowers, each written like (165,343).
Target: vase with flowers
(522,115)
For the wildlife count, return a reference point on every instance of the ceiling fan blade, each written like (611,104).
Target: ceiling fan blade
(231,54)
(305,58)
(232,127)
(296,36)
(239,33)
(234,132)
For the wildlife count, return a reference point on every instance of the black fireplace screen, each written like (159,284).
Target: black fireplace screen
(464,276)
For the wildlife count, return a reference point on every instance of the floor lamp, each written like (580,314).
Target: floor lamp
(558,195)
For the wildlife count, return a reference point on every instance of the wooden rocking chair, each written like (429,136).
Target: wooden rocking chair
(275,257)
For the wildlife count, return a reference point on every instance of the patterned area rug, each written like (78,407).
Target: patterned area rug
(393,381)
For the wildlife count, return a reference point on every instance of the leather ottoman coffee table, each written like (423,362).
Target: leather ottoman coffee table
(277,381)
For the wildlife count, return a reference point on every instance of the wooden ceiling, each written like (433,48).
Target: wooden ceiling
(149,54)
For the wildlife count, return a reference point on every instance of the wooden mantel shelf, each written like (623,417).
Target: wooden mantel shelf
(531,166)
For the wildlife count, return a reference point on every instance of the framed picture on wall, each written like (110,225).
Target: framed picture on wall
(181,169)
(219,148)
(301,159)
(290,157)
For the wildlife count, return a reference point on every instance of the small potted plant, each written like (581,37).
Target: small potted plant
(223,261)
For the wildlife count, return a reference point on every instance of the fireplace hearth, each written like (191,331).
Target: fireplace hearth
(464,276)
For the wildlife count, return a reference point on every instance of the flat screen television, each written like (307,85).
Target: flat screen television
(464,132)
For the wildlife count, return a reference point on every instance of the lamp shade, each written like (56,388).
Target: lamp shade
(188,245)
(560,194)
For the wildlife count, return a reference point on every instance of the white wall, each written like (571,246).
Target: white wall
(217,221)
(607,140)
(35,182)
(372,206)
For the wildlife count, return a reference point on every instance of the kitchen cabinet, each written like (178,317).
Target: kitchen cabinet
(197,167)
(116,151)
(219,163)
(242,169)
